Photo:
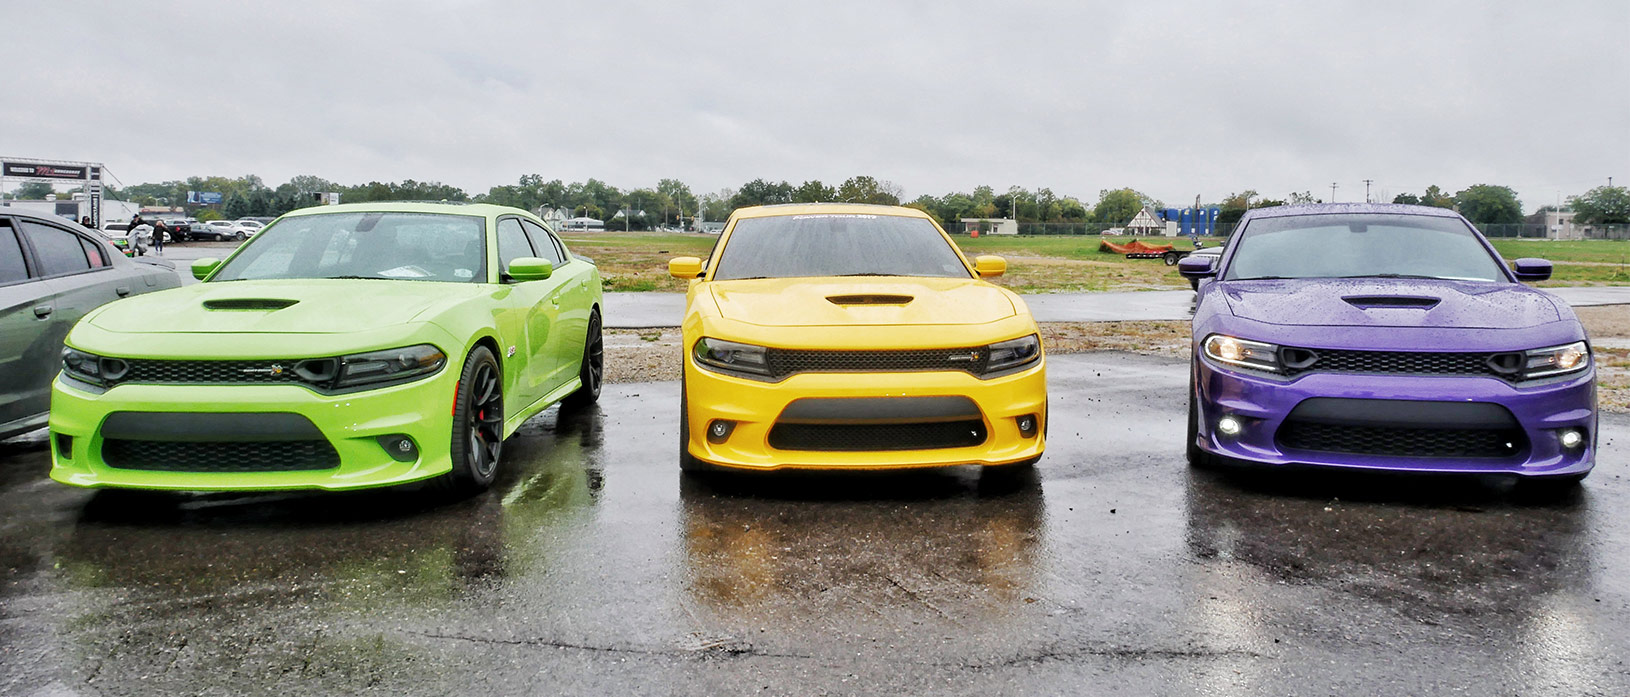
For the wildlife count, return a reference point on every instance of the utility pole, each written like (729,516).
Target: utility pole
(1367,190)
(1332,192)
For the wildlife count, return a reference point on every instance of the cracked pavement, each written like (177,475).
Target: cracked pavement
(591,568)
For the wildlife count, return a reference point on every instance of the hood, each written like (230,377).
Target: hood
(807,302)
(1367,302)
(282,307)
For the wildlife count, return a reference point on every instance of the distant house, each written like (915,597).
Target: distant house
(555,217)
(990,226)
(1145,223)
(583,223)
(1558,225)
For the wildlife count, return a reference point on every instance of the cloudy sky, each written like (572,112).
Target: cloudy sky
(1176,99)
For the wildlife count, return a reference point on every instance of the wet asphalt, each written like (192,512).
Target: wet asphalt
(591,568)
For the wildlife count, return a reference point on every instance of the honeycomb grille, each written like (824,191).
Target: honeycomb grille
(211,372)
(266,456)
(784,362)
(1397,363)
(1403,442)
(873,437)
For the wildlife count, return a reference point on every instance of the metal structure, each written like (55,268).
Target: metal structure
(89,174)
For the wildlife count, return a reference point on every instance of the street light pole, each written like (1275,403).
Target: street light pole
(1332,192)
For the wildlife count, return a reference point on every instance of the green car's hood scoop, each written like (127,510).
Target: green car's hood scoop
(281,307)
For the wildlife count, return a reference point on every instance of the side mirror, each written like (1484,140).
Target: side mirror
(1530,269)
(202,268)
(1195,268)
(989,265)
(525,269)
(685,268)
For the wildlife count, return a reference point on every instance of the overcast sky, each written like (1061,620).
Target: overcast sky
(1176,99)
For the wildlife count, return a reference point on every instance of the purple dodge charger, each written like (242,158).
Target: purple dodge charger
(1389,337)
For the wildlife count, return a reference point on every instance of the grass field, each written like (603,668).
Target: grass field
(638,261)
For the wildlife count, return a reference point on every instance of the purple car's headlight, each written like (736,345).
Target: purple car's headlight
(1244,353)
(1556,360)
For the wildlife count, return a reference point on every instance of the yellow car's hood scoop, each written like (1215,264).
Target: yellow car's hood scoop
(873,301)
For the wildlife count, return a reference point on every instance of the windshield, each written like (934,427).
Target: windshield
(1361,246)
(841,244)
(399,246)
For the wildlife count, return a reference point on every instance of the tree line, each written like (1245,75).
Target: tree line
(672,202)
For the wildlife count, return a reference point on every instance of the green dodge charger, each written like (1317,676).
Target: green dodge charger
(343,347)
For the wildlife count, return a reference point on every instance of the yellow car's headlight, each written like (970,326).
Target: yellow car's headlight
(1006,356)
(731,357)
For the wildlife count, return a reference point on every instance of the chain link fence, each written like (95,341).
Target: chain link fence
(1492,230)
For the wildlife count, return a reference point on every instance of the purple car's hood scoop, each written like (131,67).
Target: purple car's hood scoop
(1390,303)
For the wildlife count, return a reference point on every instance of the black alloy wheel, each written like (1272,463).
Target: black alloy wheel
(592,370)
(1198,458)
(478,425)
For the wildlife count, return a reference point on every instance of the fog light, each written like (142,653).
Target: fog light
(1228,426)
(719,431)
(1027,425)
(401,448)
(1572,438)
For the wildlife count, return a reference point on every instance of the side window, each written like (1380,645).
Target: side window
(93,252)
(512,243)
(12,268)
(545,243)
(59,251)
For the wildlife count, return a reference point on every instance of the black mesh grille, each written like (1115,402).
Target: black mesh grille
(269,456)
(1392,362)
(1403,442)
(866,437)
(784,362)
(195,372)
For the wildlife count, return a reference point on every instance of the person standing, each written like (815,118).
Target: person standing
(160,231)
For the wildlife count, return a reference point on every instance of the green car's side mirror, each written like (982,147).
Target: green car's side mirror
(202,268)
(989,266)
(526,269)
(685,268)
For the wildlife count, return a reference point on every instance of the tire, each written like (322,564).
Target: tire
(1550,487)
(1170,258)
(478,426)
(1198,458)
(592,369)
(239,236)
(1004,479)
(687,462)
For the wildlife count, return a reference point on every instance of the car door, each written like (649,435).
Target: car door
(571,297)
(20,293)
(533,317)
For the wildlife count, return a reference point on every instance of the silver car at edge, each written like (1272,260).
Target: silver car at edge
(52,272)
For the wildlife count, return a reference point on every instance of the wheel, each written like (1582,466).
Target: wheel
(1548,487)
(1170,258)
(478,425)
(592,369)
(239,236)
(1197,457)
(687,462)
(1003,479)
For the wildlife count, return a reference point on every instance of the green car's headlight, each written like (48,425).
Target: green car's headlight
(91,368)
(1556,360)
(731,357)
(394,365)
(1008,355)
(1243,352)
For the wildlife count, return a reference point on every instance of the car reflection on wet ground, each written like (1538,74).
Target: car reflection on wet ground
(590,568)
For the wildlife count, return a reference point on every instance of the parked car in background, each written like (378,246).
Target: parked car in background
(181,228)
(1212,253)
(52,274)
(250,225)
(227,230)
(1387,337)
(854,337)
(131,244)
(346,347)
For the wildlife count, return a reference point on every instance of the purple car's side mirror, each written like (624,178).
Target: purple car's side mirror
(1530,269)
(1195,268)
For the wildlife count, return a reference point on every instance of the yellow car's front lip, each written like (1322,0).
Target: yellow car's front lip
(754,408)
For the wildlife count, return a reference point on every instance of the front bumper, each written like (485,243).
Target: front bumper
(351,423)
(1261,404)
(754,408)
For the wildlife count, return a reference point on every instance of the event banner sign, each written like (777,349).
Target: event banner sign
(20,169)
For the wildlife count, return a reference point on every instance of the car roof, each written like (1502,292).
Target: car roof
(445,207)
(781,209)
(1349,209)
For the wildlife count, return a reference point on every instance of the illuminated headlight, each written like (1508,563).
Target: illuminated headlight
(731,357)
(1556,360)
(394,365)
(1243,353)
(91,368)
(1008,355)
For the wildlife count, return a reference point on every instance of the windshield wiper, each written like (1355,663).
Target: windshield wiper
(1263,278)
(1393,275)
(349,278)
(869,273)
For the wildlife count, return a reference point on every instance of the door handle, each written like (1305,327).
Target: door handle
(554,300)
(43,311)
(122,291)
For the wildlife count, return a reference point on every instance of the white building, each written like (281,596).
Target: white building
(991,226)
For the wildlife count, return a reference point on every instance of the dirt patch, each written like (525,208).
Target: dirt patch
(1605,321)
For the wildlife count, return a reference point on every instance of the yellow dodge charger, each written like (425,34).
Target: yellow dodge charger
(837,336)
